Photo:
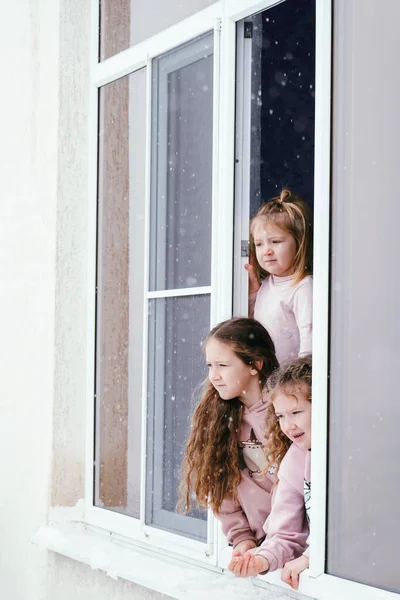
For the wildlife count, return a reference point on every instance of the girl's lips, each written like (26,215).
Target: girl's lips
(298,435)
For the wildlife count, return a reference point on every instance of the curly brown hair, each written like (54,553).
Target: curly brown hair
(291,213)
(211,465)
(289,378)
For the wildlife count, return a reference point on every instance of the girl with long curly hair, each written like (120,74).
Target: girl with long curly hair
(288,437)
(224,463)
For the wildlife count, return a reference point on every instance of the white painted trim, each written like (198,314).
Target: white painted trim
(195,291)
(91,263)
(321,285)
(137,56)
(212,523)
(170,544)
(239,9)
(242,171)
(119,558)
(222,212)
(222,234)
(143,475)
(327,587)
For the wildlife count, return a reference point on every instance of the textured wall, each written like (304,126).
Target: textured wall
(28,175)
(72,205)
(43,236)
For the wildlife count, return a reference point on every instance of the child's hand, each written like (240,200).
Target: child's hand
(248,565)
(242,547)
(254,286)
(292,569)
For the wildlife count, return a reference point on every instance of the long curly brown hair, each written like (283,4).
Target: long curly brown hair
(211,465)
(292,214)
(288,378)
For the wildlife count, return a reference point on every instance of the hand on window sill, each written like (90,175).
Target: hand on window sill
(248,565)
(292,569)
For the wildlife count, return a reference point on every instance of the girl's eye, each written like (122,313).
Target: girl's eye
(276,241)
(279,417)
(296,412)
(257,244)
(222,365)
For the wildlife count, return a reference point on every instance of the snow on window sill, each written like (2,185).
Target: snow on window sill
(162,574)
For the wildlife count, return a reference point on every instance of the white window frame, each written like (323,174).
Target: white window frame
(222,18)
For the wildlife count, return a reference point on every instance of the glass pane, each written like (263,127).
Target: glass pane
(176,367)
(124,23)
(180,250)
(120,297)
(282,107)
(364,469)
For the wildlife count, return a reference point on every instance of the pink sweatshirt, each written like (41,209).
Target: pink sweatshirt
(287,525)
(244,519)
(285,310)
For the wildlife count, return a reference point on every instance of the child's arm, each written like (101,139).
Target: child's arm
(302,308)
(292,569)
(235,525)
(286,526)
(254,285)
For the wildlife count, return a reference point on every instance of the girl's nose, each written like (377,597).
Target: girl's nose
(213,374)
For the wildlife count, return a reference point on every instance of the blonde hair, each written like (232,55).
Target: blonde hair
(211,465)
(290,378)
(292,214)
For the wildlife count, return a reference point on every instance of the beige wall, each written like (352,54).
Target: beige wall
(43,222)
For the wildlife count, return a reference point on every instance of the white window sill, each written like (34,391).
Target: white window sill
(166,575)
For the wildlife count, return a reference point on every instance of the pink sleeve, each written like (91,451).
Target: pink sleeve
(235,525)
(252,302)
(286,527)
(302,309)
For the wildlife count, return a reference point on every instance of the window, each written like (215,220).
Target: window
(165,305)
(179,268)
(120,294)
(180,173)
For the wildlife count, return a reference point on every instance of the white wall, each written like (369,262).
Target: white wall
(28,109)
(43,204)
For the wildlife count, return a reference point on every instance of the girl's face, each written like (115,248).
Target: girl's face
(293,412)
(230,376)
(275,248)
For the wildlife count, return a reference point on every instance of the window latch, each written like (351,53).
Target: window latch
(244,248)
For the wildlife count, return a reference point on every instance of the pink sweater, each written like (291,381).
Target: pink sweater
(244,519)
(285,310)
(287,525)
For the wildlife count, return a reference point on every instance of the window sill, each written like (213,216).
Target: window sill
(163,574)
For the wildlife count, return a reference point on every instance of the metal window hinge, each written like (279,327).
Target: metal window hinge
(244,248)
(248,29)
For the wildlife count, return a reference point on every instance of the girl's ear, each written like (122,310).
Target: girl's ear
(258,365)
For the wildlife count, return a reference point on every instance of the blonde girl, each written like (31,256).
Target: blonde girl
(224,463)
(288,433)
(280,277)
